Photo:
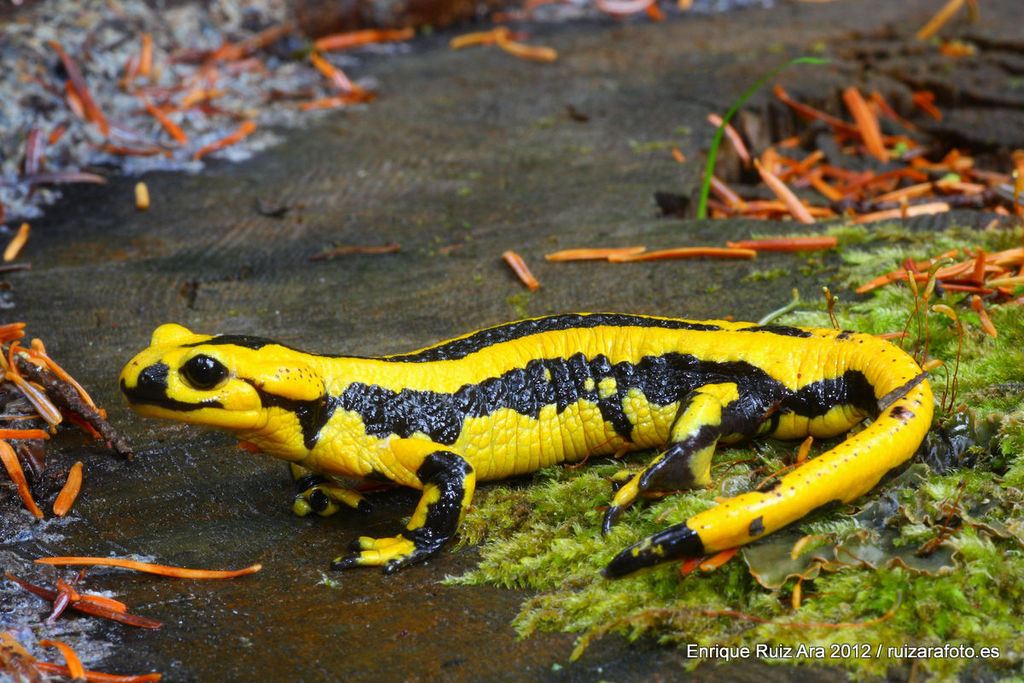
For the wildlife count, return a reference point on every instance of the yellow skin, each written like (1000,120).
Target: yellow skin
(515,398)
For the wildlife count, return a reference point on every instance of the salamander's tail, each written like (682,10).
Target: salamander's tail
(847,471)
(679,541)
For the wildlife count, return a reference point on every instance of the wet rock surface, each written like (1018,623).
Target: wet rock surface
(464,155)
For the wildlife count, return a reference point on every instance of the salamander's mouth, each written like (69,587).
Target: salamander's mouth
(137,398)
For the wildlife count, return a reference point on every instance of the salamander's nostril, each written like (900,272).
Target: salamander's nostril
(150,384)
(154,376)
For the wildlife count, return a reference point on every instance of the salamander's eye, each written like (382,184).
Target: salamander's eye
(203,372)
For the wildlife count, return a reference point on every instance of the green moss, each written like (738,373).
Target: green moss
(520,304)
(767,274)
(545,535)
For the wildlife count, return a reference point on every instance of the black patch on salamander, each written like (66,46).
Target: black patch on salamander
(676,542)
(900,391)
(312,415)
(756,527)
(151,389)
(673,470)
(446,471)
(782,330)
(900,413)
(662,380)
(817,398)
(460,348)
(243,340)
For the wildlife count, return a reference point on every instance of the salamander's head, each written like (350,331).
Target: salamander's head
(229,382)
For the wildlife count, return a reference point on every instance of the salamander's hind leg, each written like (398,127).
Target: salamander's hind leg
(320,495)
(448,484)
(705,415)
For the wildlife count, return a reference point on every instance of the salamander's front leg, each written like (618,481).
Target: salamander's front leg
(448,483)
(705,415)
(320,495)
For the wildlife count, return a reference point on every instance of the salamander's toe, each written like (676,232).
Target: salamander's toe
(676,542)
(345,562)
(611,516)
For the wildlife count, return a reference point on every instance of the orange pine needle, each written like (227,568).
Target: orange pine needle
(17,242)
(868,179)
(908,212)
(104,602)
(687,566)
(245,130)
(818,183)
(17,475)
(170,126)
(785,195)
(24,434)
(915,191)
(867,123)
(978,271)
(76,84)
(476,38)
(986,323)
(597,254)
(75,667)
(939,20)
(901,273)
(145,67)
(727,194)
(686,252)
(69,492)
(11,331)
(96,676)
(332,73)
(734,137)
(344,41)
(150,568)
(56,134)
(954,287)
(67,597)
(74,101)
(35,396)
(802,168)
(536,53)
(887,110)
(234,51)
(805,448)
(809,243)
(925,101)
(718,559)
(809,112)
(38,351)
(197,95)
(344,100)
(518,265)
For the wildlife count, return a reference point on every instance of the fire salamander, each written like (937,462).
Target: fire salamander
(512,399)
